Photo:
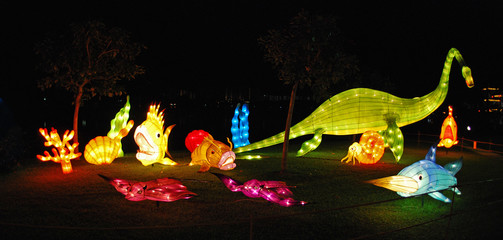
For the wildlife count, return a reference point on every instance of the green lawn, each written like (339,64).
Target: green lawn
(40,202)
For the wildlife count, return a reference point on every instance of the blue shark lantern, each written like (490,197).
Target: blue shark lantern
(240,126)
(424,177)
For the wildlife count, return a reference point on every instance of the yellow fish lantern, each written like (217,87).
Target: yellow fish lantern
(152,139)
(208,152)
(449,132)
(104,149)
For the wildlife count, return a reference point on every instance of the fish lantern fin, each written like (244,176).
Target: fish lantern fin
(204,167)
(432,153)
(166,135)
(439,196)
(454,167)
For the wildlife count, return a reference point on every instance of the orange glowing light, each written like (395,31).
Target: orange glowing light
(449,132)
(63,152)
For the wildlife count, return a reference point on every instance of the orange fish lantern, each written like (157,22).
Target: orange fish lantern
(208,152)
(449,133)
(368,151)
(63,151)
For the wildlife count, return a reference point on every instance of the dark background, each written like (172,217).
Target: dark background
(203,58)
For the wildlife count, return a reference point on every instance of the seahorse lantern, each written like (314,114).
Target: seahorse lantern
(368,151)
(104,149)
(208,152)
(151,140)
(449,132)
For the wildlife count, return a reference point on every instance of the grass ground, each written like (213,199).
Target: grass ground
(40,202)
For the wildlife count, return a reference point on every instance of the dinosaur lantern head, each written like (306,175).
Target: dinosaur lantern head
(151,139)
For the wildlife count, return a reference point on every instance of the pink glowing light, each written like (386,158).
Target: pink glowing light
(162,189)
(272,191)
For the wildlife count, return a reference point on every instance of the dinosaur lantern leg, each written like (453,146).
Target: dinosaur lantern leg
(311,144)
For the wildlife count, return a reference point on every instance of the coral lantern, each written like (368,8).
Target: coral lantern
(449,133)
(63,151)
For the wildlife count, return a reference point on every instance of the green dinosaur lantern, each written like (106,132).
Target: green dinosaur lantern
(119,122)
(361,109)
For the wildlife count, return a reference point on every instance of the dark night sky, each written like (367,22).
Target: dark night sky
(216,41)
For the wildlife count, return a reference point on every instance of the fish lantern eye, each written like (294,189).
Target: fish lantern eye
(212,152)
(420,177)
(158,135)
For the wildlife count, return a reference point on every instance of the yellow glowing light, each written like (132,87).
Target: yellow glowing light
(103,149)
(368,151)
(449,132)
(63,152)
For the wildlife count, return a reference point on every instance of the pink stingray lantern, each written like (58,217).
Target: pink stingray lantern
(272,191)
(162,189)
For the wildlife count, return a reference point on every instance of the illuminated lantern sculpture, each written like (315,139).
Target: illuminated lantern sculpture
(423,177)
(240,126)
(393,138)
(163,189)
(449,133)
(118,123)
(368,151)
(103,149)
(361,109)
(272,191)
(151,139)
(63,151)
(208,152)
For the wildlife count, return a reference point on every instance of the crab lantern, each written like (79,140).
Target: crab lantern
(449,133)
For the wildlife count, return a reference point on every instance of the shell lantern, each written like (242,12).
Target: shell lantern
(103,149)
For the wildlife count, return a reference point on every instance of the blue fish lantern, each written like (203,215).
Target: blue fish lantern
(424,177)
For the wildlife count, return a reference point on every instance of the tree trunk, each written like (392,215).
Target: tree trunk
(78,99)
(287,128)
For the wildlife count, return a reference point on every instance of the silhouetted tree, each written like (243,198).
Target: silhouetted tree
(89,61)
(308,52)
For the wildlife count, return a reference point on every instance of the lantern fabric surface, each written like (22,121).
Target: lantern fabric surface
(273,191)
(369,150)
(103,149)
(118,123)
(151,140)
(449,131)
(424,177)
(163,189)
(361,109)
(63,152)
(240,125)
(209,152)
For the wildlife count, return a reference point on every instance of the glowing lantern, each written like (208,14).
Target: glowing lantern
(240,126)
(207,152)
(63,151)
(449,133)
(103,149)
(151,140)
(272,191)
(163,189)
(423,177)
(368,151)
(118,123)
(393,138)
(361,109)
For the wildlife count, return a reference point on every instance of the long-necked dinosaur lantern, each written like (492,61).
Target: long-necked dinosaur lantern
(449,132)
(152,139)
(361,109)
